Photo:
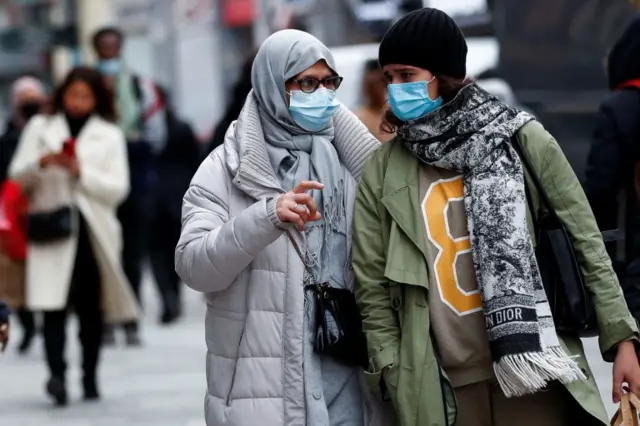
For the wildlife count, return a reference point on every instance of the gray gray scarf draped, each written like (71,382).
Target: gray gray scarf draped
(472,134)
(297,154)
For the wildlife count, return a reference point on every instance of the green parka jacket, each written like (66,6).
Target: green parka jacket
(390,263)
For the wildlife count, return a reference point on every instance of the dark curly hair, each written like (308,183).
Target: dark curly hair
(105,107)
(448,87)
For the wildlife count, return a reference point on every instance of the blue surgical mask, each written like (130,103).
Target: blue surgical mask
(312,111)
(410,101)
(110,67)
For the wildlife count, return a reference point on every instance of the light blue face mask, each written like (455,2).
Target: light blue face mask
(410,101)
(312,111)
(110,67)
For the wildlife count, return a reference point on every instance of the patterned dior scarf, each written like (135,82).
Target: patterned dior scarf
(471,135)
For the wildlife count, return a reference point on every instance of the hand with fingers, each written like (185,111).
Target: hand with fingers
(297,206)
(626,369)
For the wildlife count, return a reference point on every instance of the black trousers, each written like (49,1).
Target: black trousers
(164,238)
(28,321)
(134,216)
(85,300)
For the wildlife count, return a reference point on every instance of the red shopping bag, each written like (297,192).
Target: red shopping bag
(13,208)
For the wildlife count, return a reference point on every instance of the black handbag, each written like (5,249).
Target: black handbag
(338,321)
(51,226)
(570,301)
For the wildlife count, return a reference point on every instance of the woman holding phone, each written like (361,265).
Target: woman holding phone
(73,167)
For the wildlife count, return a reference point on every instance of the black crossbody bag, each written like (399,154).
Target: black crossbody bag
(50,226)
(344,339)
(570,301)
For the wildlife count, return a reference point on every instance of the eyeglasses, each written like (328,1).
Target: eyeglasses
(310,85)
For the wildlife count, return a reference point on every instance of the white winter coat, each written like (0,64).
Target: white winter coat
(231,250)
(103,184)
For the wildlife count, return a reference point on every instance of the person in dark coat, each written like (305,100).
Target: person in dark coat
(238,97)
(615,157)
(176,165)
(28,98)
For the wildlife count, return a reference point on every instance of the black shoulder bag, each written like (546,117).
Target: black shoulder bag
(338,323)
(571,306)
(50,226)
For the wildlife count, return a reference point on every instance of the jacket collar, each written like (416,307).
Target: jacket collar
(58,130)
(401,192)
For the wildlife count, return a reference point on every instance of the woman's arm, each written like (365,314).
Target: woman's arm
(214,247)
(25,165)
(379,321)
(110,182)
(567,197)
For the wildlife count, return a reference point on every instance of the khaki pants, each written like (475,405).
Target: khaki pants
(484,404)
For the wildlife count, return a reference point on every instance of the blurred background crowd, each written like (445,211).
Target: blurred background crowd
(180,73)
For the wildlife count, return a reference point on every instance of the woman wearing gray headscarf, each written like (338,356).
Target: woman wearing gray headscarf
(288,167)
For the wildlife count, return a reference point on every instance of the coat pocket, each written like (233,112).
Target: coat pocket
(235,371)
(396,299)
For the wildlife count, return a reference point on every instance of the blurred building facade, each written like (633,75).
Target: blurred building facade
(193,47)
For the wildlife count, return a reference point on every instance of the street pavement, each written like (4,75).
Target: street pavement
(160,384)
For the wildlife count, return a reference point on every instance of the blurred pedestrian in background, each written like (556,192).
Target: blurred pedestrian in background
(613,162)
(28,98)
(4,326)
(374,89)
(73,166)
(176,165)
(141,116)
(288,170)
(458,160)
(238,97)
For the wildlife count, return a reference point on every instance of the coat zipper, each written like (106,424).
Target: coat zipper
(235,369)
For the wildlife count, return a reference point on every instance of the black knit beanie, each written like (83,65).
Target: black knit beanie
(427,39)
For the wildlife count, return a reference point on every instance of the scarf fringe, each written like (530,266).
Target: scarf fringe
(527,373)
(333,211)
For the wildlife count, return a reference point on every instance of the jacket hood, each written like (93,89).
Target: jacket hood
(624,58)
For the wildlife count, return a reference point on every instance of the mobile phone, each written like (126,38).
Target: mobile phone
(69,148)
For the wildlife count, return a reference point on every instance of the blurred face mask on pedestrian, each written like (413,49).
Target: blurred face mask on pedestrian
(312,96)
(29,103)
(30,109)
(79,101)
(413,92)
(110,67)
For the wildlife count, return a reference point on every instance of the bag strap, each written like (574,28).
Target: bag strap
(297,249)
(526,162)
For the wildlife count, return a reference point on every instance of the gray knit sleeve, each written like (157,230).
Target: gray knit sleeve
(273,216)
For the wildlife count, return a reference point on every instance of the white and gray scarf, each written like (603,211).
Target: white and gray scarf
(472,134)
